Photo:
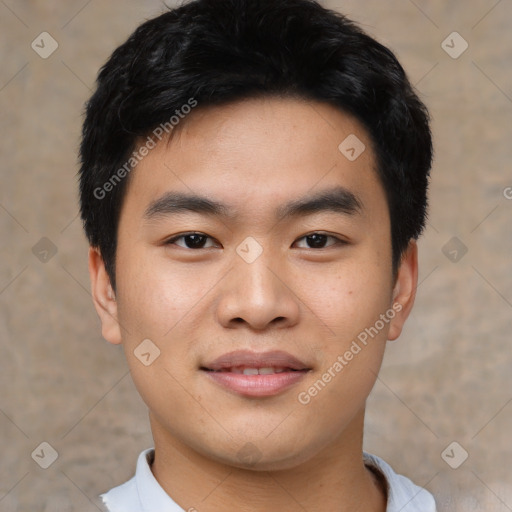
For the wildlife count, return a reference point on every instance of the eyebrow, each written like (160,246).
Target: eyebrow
(337,199)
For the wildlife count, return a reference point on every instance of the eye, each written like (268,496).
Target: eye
(203,241)
(319,241)
(191,241)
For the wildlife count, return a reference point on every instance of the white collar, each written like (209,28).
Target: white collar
(143,493)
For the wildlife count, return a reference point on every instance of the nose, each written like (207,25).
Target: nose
(258,295)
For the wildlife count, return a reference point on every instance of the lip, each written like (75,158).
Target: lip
(256,360)
(256,385)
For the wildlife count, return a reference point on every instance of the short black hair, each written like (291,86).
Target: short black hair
(214,52)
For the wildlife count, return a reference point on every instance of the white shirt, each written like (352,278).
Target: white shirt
(144,494)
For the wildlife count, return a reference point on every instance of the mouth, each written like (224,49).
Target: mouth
(254,374)
(269,370)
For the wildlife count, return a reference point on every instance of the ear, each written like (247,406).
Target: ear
(404,291)
(103,297)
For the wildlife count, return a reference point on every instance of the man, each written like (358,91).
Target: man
(253,180)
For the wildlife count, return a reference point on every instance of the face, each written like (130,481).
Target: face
(256,258)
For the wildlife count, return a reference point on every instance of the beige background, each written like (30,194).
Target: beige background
(448,378)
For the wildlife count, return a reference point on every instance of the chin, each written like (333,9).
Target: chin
(260,456)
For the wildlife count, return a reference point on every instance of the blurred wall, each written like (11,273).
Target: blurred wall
(447,379)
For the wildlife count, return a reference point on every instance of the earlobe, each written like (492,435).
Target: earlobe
(103,297)
(404,291)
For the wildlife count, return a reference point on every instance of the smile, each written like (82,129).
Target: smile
(256,382)
(254,374)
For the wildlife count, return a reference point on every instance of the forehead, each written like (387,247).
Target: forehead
(259,153)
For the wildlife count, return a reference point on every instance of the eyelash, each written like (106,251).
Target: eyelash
(338,241)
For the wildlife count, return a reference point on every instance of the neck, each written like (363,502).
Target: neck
(334,479)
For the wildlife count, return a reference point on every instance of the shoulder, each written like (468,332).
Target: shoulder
(403,495)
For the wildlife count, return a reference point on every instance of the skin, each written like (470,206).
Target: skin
(197,304)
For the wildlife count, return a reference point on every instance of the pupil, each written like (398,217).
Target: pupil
(194,241)
(316,240)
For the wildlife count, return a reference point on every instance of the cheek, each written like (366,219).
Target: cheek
(162,303)
(347,300)
(156,303)
(155,295)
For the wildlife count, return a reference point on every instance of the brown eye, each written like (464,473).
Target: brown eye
(319,241)
(191,241)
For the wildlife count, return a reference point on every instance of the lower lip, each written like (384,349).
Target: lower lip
(256,385)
